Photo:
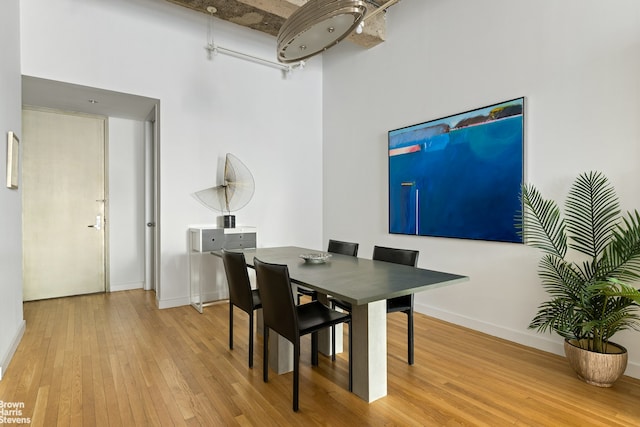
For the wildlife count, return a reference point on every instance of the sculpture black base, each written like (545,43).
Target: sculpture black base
(229,221)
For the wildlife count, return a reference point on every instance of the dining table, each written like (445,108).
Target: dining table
(364,283)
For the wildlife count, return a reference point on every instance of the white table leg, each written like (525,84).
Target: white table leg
(369,328)
(280,349)
(280,353)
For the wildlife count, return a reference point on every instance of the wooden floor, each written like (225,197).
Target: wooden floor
(114,359)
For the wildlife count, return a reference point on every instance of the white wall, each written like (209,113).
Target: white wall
(126,204)
(207,108)
(11,319)
(578,64)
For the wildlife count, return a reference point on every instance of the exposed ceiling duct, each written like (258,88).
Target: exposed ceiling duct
(268,16)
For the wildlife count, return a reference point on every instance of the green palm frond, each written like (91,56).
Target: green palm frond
(589,299)
(540,224)
(558,315)
(616,288)
(592,213)
(621,258)
(560,278)
(615,320)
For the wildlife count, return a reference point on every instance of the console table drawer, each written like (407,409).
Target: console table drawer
(240,240)
(212,240)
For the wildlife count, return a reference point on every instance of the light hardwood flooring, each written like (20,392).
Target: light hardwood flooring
(114,359)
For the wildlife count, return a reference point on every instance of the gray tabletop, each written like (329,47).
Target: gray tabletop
(355,280)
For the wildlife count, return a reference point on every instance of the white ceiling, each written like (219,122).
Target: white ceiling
(68,97)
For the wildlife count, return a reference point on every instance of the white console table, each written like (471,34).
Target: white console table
(207,279)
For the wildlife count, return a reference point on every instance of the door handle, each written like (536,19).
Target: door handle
(98,224)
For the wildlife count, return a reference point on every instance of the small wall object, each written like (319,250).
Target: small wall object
(13,159)
(233,194)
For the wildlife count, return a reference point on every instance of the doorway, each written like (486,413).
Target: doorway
(63,96)
(64,204)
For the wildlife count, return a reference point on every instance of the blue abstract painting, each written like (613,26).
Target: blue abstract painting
(459,176)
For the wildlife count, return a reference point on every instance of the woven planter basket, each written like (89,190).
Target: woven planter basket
(599,369)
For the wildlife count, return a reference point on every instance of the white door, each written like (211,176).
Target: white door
(63,204)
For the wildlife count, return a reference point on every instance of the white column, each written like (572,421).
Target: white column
(369,328)
(280,353)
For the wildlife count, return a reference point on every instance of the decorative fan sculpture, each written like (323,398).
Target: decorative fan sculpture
(233,194)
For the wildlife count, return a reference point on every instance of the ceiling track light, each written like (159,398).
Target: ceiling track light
(316,26)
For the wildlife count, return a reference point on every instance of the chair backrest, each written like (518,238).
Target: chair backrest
(278,308)
(396,256)
(235,266)
(344,248)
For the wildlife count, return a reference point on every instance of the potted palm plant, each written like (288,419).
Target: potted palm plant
(591,255)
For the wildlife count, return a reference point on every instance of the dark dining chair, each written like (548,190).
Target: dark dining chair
(240,293)
(342,248)
(335,247)
(291,321)
(402,304)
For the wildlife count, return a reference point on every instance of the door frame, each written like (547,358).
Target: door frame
(152,202)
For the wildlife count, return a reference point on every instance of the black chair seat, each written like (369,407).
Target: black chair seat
(314,316)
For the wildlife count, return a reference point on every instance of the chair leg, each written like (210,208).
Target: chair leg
(296,374)
(251,339)
(314,349)
(265,354)
(333,343)
(350,358)
(333,336)
(231,325)
(410,336)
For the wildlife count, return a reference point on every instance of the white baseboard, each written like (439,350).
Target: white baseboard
(125,286)
(633,370)
(218,295)
(550,343)
(173,302)
(4,362)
